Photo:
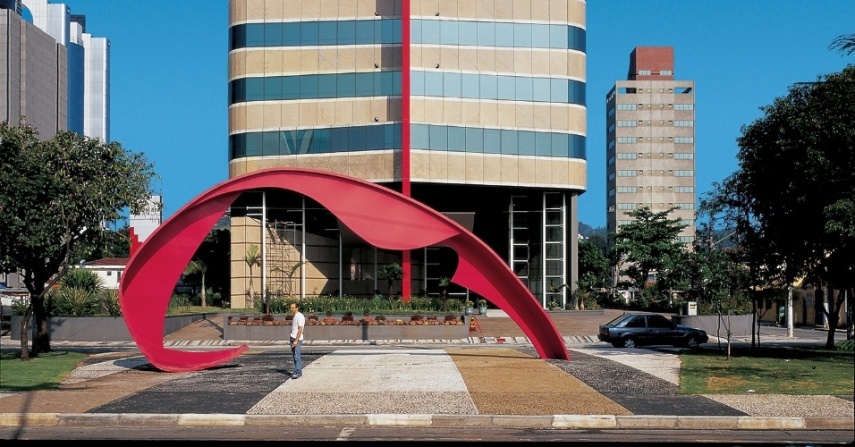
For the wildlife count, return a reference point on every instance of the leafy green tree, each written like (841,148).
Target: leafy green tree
(55,196)
(215,252)
(844,44)
(444,282)
(110,244)
(796,162)
(252,259)
(197,266)
(392,272)
(649,245)
(593,271)
(794,193)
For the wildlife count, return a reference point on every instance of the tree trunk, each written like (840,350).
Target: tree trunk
(25,326)
(832,317)
(41,343)
(204,299)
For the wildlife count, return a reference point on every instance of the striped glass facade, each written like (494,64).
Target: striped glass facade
(474,108)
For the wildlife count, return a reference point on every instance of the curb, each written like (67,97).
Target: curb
(558,421)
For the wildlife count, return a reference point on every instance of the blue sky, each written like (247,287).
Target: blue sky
(169,76)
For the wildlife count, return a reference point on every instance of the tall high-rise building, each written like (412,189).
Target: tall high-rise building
(474,108)
(57,76)
(33,73)
(650,137)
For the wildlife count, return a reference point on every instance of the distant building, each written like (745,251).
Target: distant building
(108,269)
(58,76)
(140,226)
(650,153)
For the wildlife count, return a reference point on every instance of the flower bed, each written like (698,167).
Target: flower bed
(379,327)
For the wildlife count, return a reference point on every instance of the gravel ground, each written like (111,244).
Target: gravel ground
(645,393)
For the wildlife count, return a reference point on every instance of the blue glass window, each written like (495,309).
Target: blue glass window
(457,139)
(470,86)
(526,142)
(486,34)
(560,144)
(346,32)
(308,33)
(374,138)
(523,86)
(426,31)
(419,137)
(507,88)
(438,138)
(576,39)
(489,87)
(492,141)
(327,33)
(558,91)
(365,31)
(522,35)
(504,34)
(540,89)
(346,84)
(540,36)
(468,34)
(474,140)
(510,145)
(433,83)
(357,138)
(326,86)
(448,32)
(430,32)
(451,85)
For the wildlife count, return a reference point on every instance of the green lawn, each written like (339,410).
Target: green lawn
(45,372)
(807,371)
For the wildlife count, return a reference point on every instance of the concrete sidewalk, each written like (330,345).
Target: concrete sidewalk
(493,378)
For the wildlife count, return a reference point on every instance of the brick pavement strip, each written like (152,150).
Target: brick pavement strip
(41,407)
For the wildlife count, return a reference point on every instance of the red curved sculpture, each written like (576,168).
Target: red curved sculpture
(382,217)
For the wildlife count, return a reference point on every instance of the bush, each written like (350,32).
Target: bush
(79,278)
(72,302)
(846,345)
(109,302)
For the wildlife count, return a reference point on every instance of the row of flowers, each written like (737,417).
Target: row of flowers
(346,320)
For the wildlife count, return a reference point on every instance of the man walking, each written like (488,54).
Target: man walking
(297,324)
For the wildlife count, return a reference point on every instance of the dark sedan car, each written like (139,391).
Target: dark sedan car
(637,329)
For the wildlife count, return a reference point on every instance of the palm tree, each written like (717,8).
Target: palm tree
(200,267)
(444,282)
(391,272)
(252,258)
(844,44)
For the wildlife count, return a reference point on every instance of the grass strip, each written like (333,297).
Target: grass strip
(44,372)
(798,371)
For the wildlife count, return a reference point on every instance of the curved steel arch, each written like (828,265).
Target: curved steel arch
(382,217)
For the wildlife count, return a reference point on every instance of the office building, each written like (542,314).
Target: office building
(56,75)
(33,73)
(474,108)
(650,139)
(142,224)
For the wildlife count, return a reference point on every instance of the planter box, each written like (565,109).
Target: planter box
(347,332)
(740,324)
(96,328)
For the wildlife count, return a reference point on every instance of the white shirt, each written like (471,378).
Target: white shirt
(298,322)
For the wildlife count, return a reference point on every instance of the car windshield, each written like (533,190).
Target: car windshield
(617,320)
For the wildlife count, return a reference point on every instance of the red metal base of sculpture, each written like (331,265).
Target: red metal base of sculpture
(380,216)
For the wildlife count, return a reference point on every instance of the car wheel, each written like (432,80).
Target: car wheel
(692,342)
(629,342)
